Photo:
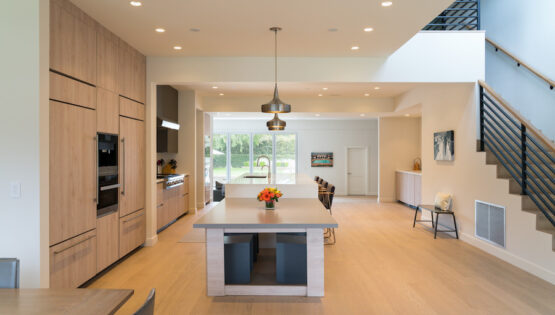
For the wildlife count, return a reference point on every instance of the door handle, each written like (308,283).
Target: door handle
(104,188)
(96,156)
(123,166)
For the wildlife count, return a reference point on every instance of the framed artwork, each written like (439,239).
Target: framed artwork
(444,145)
(321,159)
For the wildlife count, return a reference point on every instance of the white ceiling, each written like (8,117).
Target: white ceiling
(299,89)
(240,27)
(413,112)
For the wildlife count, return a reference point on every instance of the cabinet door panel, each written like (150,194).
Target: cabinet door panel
(132,165)
(73,262)
(132,229)
(71,91)
(417,190)
(72,171)
(107,244)
(107,60)
(72,45)
(131,109)
(107,111)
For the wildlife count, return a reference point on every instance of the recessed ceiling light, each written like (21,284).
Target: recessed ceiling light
(387,3)
(221,94)
(194,29)
(355,48)
(376,88)
(362,115)
(317,115)
(325,89)
(160,30)
(320,94)
(366,94)
(177,47)
(333,29)
(368,29)
(135,3)
(214,87)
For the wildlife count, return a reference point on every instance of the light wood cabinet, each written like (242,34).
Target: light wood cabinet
(132,165)
(172,203)
(131,73)
(67,90)
(107,45)
(132,232)
(131,109)
(72,42)
(107,111)
(107,240)
(72,171)
(409,188)
(73,262)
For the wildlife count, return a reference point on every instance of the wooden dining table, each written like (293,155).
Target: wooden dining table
(62,301)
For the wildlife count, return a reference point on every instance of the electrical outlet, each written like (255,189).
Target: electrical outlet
(15,190)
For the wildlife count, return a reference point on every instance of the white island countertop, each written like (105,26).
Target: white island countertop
(243,213)
(291,185)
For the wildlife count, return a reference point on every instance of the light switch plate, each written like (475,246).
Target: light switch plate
(15,190)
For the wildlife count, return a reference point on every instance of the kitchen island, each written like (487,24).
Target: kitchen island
(291,185)
(247,215)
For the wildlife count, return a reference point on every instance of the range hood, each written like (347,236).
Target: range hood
(167,122)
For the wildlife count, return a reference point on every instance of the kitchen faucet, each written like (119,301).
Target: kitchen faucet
(262,167)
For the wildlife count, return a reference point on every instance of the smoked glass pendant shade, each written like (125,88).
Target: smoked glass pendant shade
(275,124)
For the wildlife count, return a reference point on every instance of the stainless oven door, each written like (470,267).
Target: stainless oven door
(108,195)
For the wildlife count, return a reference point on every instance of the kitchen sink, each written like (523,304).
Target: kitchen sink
(255,176)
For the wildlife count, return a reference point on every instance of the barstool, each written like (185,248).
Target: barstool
(329,234)
(316,178)
(290,258)
(238,260)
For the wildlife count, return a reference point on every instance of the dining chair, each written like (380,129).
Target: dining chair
(329,234)
(9,273)
(148,307)
(316,178)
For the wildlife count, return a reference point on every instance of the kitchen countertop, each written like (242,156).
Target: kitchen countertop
(275,179)
(291,185)
(244,213)
(410,172)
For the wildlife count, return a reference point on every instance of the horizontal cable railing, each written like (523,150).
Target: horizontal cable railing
(519,63)
(461,15)
(526,154)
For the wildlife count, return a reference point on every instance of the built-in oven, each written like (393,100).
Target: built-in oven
(107,174)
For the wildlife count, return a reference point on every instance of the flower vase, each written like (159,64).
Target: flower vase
(270,205)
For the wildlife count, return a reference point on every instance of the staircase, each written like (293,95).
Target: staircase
(523,155)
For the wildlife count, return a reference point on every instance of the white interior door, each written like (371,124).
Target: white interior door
(356,171)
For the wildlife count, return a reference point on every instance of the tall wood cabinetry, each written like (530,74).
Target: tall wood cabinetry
(85,99)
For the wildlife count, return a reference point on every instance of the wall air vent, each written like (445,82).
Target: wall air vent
(490,223)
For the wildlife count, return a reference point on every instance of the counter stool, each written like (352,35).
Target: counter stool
(433,209)
(238,260)
(290,259)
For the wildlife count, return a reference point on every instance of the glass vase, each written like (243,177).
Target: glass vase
(270,205)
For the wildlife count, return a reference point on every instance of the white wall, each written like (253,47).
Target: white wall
(399,145)
(468,178)
(525,28)
(322,136)
(24,234)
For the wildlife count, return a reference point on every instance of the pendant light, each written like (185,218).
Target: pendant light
(276,105)
(276,123)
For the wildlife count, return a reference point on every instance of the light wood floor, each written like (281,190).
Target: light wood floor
(380,265)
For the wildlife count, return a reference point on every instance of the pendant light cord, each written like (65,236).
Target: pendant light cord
(275,57)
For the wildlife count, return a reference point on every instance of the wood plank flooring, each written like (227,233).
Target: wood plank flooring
(380,265)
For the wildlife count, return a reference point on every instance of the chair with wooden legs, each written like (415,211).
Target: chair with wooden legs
(329,233)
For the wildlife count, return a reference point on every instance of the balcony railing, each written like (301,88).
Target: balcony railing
(462,15)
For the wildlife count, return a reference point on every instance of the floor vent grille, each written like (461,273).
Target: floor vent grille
(490,223)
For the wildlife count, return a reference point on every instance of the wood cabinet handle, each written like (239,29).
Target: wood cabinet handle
(63,250)
(96,166)
(140,215)
(123,166)
(160,205)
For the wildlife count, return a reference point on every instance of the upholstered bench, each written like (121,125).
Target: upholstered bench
(291,258)
(238,258)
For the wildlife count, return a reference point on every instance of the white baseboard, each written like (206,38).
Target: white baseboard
(151,241)
(507,256)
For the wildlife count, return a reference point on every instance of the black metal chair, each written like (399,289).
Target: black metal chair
(320,180)
(316,178)
(9,273)
(148,307)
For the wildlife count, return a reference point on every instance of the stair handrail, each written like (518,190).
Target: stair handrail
(518,116)
(519,63)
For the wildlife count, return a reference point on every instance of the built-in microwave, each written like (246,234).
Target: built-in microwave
(107,174)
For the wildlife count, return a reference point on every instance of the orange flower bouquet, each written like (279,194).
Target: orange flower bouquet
(270,196)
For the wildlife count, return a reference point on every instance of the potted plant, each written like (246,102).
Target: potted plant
(270,196)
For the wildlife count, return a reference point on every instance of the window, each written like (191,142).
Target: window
(219,152)
(236,154)
(240,154)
